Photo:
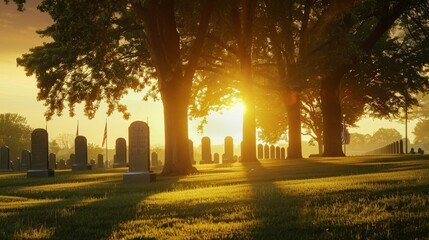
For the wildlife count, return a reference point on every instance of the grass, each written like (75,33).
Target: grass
(384,197)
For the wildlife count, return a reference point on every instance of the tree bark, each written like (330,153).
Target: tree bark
(293,108)
(175,102)
(331,108)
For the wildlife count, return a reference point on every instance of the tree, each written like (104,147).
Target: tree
(101,50)
(14,133)
(421,132)
(384,136)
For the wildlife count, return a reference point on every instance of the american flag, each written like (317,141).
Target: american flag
(105,135)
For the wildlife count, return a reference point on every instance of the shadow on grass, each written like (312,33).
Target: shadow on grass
(281,215)
(88,213)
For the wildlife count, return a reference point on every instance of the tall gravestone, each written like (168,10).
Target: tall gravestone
(52,161)
(120,153)
(282,153)
(191,151)
(277,152)
(272,152)
(81,154)
(401,146)
(206,152)
(266,151)
(260,151)
(229,149)
(39,165)
(25,160)
(4,159)
(216,158)
(138,150)
(100,162)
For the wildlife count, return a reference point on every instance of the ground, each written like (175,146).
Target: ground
(384,197)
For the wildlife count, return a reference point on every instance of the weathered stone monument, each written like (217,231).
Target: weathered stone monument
(272,152)
(81,154)
(25,160)
(401,146)
(191,151)
(39,165)
(282,153)
(52,161)
(266,151)
(62,164)
(120,153)
(4,159)
(206,152)
(277,152)
(100,162)
(138,150)
(260,151)
(216,158)
(229,149)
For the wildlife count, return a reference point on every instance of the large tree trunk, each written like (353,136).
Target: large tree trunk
(248,152)
(293,108)
(177,159)
(331,109)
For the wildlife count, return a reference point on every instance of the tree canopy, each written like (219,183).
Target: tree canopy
(14,133)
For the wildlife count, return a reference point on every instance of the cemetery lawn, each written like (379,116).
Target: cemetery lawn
(383,197)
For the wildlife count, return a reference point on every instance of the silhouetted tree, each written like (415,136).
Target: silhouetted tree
(14,133)
(101,50)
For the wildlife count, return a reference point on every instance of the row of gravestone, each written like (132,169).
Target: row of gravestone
(396,147)
(38,161)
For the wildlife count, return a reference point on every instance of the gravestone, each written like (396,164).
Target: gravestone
(401,147)
(191,151)
(216,158)
(72,159)
(277,152)
(260,151)
(62,164)
(5,165)
(100,163)
(155,161)
(282,153)
(39,165)
(138,150)
(68,164)
(92,163)
(121,153)
(272,152)
(81,154)
(25,160)
(206,152)
(229,149)
(266,151)
(16,164)
(52,161)
(412,151)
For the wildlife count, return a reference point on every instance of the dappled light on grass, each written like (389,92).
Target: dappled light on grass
(41,232)
(61,186)
(13,203)
(208,212)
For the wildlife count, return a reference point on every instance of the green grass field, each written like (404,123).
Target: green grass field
(323,198)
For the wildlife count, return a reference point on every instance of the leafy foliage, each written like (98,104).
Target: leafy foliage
(14,133)
(421,132)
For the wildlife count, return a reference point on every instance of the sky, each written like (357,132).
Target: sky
(18,94)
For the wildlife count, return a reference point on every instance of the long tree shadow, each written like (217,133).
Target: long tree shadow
(297,210)
(91,213)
